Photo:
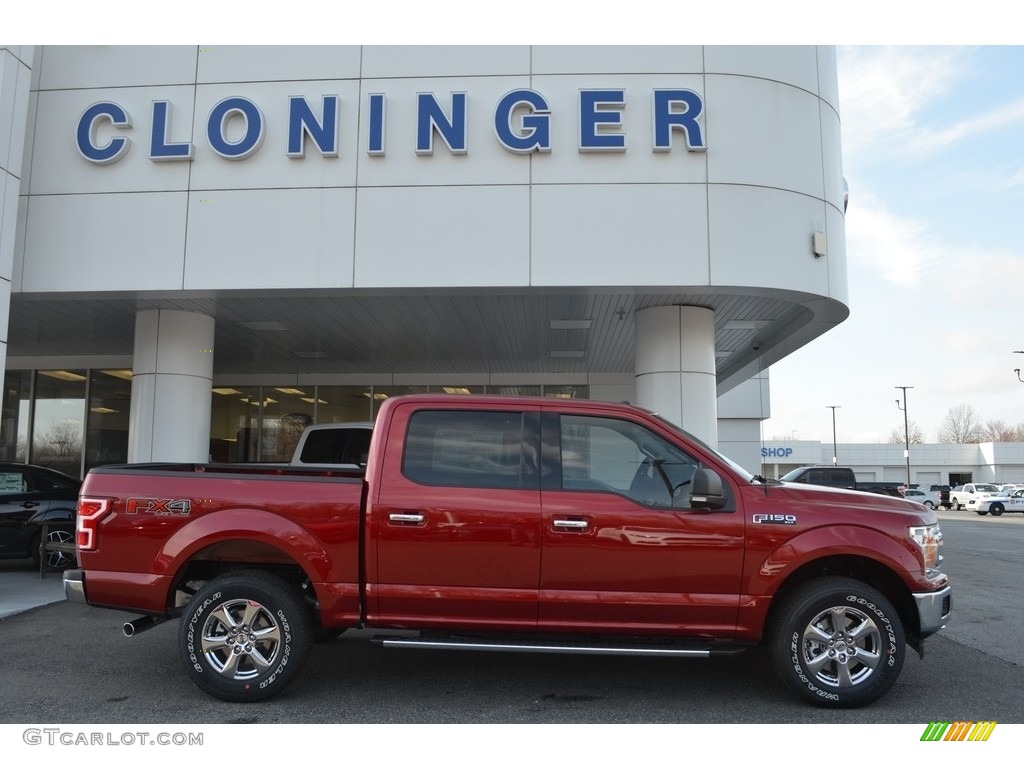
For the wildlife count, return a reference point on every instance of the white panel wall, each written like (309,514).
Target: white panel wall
(14,89)
(470,236)
(796,65)
(15,78)
(603,59)
(828,76)
(105,242)
(115,66)
(262,239)
(619,235)
(8,220)
(773,247)
(763,133)
(831,156)
(444,60)
(256,63)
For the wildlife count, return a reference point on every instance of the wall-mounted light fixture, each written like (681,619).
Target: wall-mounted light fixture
(820,244)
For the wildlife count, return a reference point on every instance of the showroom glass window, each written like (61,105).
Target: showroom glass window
(234,424)
(58,429)
(17,405)
(110,400)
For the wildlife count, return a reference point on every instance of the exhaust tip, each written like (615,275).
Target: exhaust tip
(133,627)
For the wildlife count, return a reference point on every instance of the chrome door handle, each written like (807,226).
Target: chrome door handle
(572,525)
(405,517)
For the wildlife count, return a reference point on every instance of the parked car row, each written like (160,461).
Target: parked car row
(983,498)
(930,499)
(30,495)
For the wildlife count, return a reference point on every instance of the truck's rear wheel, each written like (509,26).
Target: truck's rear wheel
(837,642)
(245,636)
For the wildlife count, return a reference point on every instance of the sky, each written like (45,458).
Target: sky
(933,152)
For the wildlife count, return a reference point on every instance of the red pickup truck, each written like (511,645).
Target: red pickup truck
(531,524)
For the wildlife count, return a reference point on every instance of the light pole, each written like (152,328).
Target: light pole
(835,452)
(1017,370)
(906,428)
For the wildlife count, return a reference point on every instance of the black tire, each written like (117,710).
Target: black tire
(981,511)
(245,636)
(997,509)
(929,504)
(837,666)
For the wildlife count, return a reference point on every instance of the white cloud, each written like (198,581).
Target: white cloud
(882,90)
(934,140)
(901,250)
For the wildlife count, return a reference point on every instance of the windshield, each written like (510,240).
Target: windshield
(720,456)
(986,487)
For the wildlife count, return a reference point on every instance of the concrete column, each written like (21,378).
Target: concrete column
(172,375)
(675,367)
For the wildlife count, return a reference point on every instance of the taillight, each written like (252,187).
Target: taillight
(90,512)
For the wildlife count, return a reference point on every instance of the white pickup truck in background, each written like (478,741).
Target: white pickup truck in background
(970,494)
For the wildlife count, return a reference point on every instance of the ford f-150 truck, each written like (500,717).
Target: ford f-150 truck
(496,523)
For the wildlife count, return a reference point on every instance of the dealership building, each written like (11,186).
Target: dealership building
(203,249)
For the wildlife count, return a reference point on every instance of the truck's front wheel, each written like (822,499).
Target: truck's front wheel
(837,642)
(245,636)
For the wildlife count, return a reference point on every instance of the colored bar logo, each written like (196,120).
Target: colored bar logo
(959,731)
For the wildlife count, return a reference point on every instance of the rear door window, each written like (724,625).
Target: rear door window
(477,449)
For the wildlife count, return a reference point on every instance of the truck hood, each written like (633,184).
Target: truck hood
(854,503)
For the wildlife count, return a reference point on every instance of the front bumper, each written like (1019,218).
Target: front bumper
(74,585)
(933,609)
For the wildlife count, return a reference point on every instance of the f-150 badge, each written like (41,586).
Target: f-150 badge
(775,519)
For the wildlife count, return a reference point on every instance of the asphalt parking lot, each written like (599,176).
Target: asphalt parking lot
(69,663)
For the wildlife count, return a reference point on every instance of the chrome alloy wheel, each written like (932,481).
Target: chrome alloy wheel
(241,639)
(841,647)
(60,560)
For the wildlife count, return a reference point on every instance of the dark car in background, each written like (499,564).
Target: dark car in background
(30,495)
(943,491)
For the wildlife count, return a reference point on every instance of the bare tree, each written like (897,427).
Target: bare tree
(961,425)
(61,439)
(998,431)
(898,436)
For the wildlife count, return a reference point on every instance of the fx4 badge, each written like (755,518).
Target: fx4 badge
(775,519)
(163,507)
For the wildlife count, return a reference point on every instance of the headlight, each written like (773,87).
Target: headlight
(928,538)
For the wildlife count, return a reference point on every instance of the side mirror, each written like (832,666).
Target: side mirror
(708,492)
